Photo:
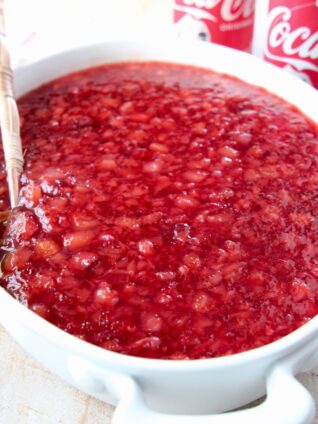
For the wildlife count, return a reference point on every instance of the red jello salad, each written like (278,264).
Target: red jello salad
(166,211)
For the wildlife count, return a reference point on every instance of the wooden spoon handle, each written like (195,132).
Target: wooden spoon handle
(9,118)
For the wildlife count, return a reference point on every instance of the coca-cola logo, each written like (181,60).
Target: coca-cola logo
(230,10)
(291,43)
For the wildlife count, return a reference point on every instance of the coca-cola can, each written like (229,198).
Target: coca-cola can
(226,22)
(291,37)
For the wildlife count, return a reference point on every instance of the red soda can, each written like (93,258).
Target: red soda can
(226,22)
(291,37)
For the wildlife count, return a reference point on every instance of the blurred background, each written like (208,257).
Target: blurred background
(38,28)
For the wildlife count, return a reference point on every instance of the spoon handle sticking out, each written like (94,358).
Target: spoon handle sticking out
(9,119)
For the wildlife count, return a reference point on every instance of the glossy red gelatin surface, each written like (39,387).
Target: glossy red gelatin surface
(166,212)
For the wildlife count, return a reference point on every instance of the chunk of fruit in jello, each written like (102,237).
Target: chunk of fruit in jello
(78,239)
(46,247)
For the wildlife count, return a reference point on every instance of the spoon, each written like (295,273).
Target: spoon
(9,119)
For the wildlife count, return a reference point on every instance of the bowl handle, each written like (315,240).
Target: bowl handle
(287,401)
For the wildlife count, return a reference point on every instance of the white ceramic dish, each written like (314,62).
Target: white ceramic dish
(172,392)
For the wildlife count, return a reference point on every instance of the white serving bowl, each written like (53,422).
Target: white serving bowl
(171,391)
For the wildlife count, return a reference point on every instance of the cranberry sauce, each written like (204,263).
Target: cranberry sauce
(165,212)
